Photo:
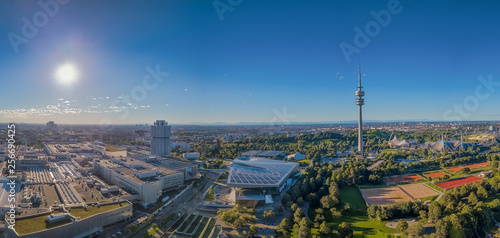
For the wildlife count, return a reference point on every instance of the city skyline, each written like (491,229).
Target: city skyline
(260,62)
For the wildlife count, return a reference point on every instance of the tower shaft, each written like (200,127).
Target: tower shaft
(360,102)
(360,130)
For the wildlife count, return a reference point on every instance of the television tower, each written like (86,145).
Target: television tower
(360,102)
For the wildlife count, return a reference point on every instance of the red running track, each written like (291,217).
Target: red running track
(458,182)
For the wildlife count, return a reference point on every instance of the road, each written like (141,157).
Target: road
(185,204)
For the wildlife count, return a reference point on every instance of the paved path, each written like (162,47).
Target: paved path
(373,166)
(305,209)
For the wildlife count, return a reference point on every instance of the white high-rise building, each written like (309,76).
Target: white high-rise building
(160,138)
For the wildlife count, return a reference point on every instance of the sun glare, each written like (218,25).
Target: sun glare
(66,74)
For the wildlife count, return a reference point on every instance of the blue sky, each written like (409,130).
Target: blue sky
(264,59)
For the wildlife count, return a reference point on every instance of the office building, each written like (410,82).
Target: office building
(138,177)
(257,180)
(51,126)
(160,138)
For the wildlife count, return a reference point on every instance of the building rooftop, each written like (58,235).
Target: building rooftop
(251,172)
(173,164)
(139,166)
(56,149)
(251,152)
(38,223)
(270,153)
(263,153)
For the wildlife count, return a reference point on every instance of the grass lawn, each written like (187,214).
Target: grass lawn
(329,140)
(304,162)
(35,224)
(80,213)
(352,195)
(362,226)
(436,171)
(314,232)
(435,187)
(429,198)
(497,177)
(152,231)
(479,170)
(477,137)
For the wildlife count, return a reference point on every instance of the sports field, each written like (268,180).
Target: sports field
(418,190)
(472,166)
(384,196)
(458,182)
(401,179)
(435,175)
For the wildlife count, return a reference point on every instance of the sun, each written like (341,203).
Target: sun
(66,74)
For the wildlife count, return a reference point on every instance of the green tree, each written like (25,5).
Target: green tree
(345,230)
(347,208)
(423,215)
(283,229)
(464,170)
(472,199)
(268,214)
(297,216)
(402,225)
(335,214)
(238,223)
(324,229)
(304,229)
(253,230)
(327,202)
(481,192)
(372,211)
(442,228)
(318,219)
(334,190)
(300,201)
(132,228)
(280,209)
(416,230)
(210,195)
(495,205)
(434,212)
